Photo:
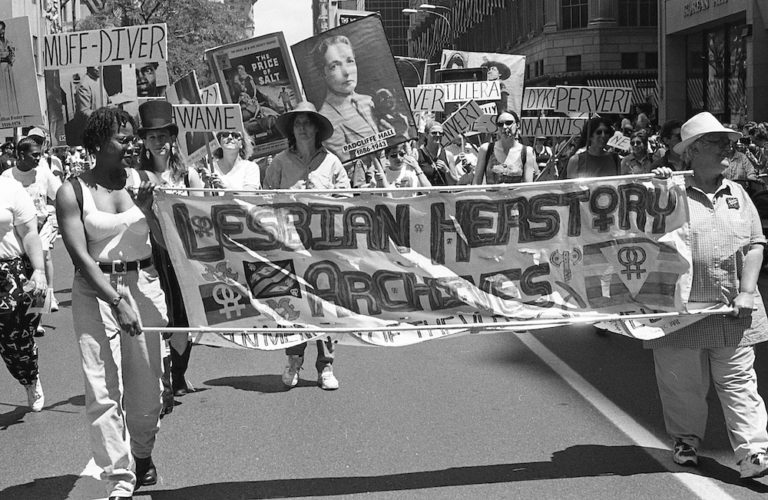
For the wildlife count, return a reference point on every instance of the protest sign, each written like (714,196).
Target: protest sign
(533,251)
(536,98)
(111,46)
(346,16)
(432,97)
(507,69)
(207,117)
(411,70)
(19,99)
(619,141)
(192,145)
(211,94)
(551,127)
(349,74)
(601,100)
(151,80)
(460,121)
(258,75)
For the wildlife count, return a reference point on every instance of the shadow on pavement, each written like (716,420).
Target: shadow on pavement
(13,417)
(575,462)
(52,488)
(258,383)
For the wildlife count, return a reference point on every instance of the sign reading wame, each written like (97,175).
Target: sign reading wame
(130,44)
(207,117)
(313,261)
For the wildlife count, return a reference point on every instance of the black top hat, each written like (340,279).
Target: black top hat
(155,115)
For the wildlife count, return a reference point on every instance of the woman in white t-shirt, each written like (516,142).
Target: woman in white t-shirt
(231,168)
(403,171)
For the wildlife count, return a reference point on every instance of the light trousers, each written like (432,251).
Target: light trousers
(683,377)
(122,374)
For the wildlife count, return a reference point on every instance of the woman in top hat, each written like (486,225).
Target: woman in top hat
(727,249)
(306,164)
(159,157)
(105,228)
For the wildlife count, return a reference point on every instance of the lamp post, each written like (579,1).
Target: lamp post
(431,9)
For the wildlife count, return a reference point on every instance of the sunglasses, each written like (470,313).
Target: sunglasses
(636,143)
(436,134)
(507,123)
(397,154)
(721,143)
(234,135)
(35,155)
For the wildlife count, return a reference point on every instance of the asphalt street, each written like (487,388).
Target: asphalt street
(561,413)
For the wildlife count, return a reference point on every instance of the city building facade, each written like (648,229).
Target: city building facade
(566,42)
(713,58)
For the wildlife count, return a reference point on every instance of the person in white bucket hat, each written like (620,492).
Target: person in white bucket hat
(727,250)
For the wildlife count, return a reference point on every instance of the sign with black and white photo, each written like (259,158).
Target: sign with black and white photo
(349,74)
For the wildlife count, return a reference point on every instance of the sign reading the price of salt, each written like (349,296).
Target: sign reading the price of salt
(529,253)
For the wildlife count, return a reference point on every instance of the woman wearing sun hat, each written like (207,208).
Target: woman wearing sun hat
(727,250)
(306,164)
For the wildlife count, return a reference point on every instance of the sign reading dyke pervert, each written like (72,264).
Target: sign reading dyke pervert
(124,45)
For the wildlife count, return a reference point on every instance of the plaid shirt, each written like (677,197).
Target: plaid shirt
(722,230)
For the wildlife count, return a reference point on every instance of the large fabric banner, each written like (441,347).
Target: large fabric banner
(316,261)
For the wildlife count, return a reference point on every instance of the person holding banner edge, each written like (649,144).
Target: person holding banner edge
(306,164)
(727,245)
(105,229)
(158,156)
(231,168)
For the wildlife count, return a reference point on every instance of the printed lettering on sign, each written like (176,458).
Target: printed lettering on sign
(600,100)
(207,117)
(114,46)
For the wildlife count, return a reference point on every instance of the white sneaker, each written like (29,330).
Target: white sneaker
(291,372)
(35,396)
(326,380)
(755,465)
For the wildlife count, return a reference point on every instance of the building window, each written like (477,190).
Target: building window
(527,71)
(629,60)
(652,60)
(573,63)
(575,14)
(638,12)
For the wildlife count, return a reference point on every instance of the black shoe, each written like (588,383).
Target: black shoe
(146,473)
(182,388)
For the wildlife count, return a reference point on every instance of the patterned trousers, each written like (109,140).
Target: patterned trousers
(17,328)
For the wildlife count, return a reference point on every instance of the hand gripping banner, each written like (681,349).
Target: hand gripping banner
(309,263)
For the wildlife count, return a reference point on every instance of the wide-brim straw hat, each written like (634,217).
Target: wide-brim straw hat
(285,121)
(699,125)
(156,115)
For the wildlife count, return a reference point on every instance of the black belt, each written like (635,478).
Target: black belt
(122,267)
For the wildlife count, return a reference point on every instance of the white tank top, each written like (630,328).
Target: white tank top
(110,237)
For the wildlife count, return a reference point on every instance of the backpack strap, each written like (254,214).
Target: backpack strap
(78,189)
(524,155)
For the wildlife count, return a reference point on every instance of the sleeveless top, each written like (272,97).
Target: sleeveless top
(597,166)
(123,236)
(497,172)
(426,160)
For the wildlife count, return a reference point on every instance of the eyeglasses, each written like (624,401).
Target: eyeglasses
(234,135)
(602,131)
(397,154)
(507,123)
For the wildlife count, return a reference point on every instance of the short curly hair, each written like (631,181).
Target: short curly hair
(98,128)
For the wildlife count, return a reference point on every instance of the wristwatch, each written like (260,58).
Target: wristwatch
(116,301)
